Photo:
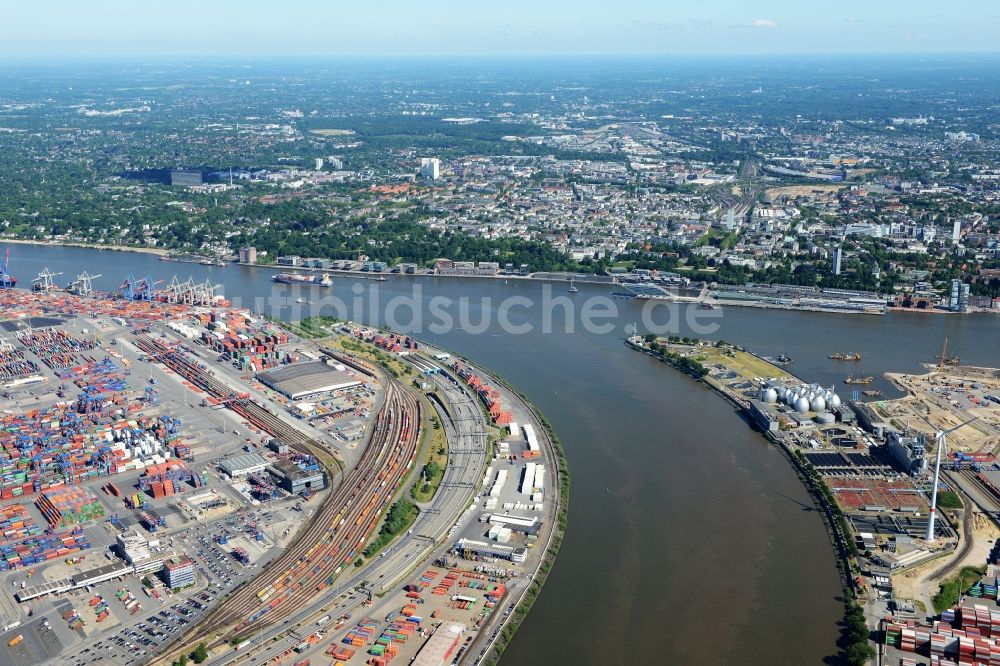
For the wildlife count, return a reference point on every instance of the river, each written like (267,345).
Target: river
(690,539)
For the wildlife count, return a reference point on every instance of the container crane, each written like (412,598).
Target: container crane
(83,284)
(43,282)
(7,281)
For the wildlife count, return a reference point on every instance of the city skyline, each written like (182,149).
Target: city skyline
(636,27)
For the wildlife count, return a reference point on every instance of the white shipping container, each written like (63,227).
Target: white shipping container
(528,479)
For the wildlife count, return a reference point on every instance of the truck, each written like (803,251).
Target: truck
(323,620)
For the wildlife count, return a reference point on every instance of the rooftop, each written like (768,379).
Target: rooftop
(303,379)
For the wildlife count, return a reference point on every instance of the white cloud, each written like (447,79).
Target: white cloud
(764,23)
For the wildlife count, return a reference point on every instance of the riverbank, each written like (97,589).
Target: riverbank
(423,273)
(90,246)
(742,364)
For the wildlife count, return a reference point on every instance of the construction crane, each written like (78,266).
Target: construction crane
(945,359)
(43,282)
(83,284)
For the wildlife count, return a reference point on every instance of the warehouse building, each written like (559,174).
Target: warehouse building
(301,380)
(236,467)
(515,523)
(488,549)
(293,479)
(440,650)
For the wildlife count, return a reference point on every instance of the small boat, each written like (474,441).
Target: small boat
(784,359)
(841,356)
(872,394)
(706,305)
(851,379)
(572,287)
(303,301)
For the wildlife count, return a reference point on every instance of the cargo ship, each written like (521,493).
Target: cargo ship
(841,356)
(304,279)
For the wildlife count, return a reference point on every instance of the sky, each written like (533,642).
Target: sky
(113,28)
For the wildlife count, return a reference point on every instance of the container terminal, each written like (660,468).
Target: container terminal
(875,463)
(176,473)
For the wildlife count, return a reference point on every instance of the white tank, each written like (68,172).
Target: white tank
(802,405)
(791,398)
(835,401)
(818,404)
(770,396)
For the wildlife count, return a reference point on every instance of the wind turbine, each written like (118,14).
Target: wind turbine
(942,442)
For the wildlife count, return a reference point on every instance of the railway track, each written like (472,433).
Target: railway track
(341,525)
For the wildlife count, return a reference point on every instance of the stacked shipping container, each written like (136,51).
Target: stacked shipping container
(69,506)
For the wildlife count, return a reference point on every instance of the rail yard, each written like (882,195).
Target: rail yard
(210,479)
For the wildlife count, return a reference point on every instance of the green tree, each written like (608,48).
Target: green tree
(200,653)
(859,654)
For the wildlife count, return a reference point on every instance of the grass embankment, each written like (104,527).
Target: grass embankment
(315,327)
(433,461)
(742,363)
(399,518)
(948,499)
(953,587)
(390,362)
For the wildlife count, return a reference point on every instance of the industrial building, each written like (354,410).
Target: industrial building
(302,380)
(178,572)
(236,467)
(868,419)
(908,451)
(763,416)
(293,479)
